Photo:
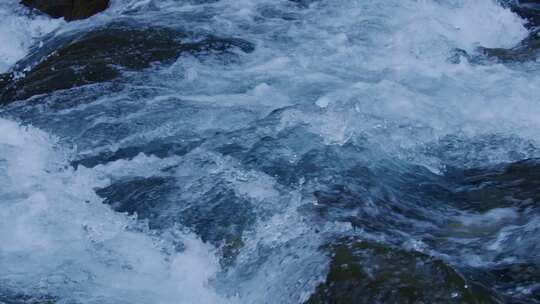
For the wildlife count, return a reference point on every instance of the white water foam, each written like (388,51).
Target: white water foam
(19,30)
(58,239)
(375,69)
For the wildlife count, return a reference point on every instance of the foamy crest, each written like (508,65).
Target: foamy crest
(19,29)
(59,240)
(462,24)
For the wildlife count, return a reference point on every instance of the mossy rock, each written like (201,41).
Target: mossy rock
(96,57)
(367,272)
(101,55)
(68,9)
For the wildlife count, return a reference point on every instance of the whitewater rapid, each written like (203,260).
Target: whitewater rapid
(56,233)
(380,78)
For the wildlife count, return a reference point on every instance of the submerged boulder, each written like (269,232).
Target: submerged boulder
(102,54)
(95,57)
(5,80)
(68,9)
(367,272)
(528,49)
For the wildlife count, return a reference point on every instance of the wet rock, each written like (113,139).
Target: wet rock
(68,9)
(217,44)
(102,54)
(303,3)
(367,272)
(96,57)
(5,80)
(528,49)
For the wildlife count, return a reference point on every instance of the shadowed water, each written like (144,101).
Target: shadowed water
(306,151)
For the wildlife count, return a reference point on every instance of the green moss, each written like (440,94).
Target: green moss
(367,272)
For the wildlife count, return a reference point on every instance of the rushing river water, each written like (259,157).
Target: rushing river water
(229,177)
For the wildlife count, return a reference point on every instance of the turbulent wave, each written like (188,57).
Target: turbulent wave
(19,30)
(60,242)
(226,177)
